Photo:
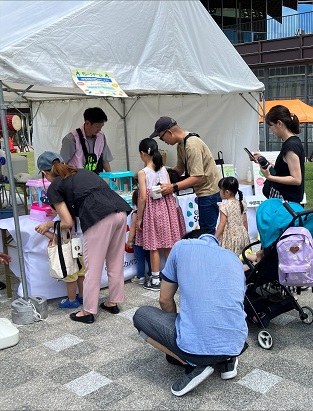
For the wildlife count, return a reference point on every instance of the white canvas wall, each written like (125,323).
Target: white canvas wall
(224,122)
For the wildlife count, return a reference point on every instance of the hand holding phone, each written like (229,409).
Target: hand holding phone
(251,156)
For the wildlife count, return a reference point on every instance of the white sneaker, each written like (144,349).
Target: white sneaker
(229,368)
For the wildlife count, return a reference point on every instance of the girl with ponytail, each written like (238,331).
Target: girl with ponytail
(160,222)
(232,231)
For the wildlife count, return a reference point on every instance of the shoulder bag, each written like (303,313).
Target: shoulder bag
(61,261)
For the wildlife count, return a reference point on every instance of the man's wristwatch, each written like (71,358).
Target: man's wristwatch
(175,188)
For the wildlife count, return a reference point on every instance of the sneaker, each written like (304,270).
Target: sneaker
(191,380)
(66,303)
(80,299)
(148,285)
(137,280)
(229,368)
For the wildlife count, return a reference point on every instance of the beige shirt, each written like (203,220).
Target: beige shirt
(200,162)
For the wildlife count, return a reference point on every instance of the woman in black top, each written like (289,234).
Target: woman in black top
(288,182)
(102,214)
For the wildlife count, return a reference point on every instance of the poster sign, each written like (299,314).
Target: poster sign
(229,170)
(257,173)
(97,83)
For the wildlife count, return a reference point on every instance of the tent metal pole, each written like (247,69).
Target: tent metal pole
(125,134)
(264,124)
(13,192)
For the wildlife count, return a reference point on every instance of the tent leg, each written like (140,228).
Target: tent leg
(125,135)
(12,192)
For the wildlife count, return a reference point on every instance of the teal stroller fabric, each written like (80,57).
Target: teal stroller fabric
(272,218)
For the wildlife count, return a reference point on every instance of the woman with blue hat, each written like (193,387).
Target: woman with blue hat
(102,214)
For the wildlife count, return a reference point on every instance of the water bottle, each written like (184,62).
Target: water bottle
(235,173)
(264,164)
(249,175)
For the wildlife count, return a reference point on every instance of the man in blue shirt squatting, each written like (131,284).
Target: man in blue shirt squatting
(210,328)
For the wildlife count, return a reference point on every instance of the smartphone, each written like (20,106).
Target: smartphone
(251,156)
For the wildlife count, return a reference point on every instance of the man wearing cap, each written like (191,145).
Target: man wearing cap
(86,147)
(195,159)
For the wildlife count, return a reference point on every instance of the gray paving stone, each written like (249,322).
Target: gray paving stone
(68,372)
(62,343)
(259,381)
(108,395)
(13,374)
(291,370)
(87,383)
(81,350)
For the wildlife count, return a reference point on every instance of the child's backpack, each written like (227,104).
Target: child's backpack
(295,254)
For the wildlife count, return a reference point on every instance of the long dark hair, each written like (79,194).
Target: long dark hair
(150,147)
(231,184)
(283,114)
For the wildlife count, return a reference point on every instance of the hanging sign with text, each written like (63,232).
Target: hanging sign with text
(97,83)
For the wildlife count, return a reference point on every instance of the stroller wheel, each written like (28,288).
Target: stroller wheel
(265,340)
(307,316)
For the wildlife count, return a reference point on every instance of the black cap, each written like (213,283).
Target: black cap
(164,123)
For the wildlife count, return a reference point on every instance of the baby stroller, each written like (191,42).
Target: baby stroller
(265,297)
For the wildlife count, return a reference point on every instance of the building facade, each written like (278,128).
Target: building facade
(275,38)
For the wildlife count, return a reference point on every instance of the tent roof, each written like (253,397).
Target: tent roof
(303,111)
(151,46)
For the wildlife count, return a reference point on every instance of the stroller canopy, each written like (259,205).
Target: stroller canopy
(272,219)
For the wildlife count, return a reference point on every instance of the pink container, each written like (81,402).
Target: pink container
(42,214)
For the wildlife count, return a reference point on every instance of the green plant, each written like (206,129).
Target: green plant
(308,184)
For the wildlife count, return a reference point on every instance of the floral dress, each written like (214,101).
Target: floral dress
(235,237)
(163,222)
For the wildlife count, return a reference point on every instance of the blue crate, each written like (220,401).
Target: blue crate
(121,175)
(6,213)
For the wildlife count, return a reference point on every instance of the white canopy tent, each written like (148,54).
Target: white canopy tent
(170,57)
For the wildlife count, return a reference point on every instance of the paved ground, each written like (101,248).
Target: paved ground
(60,364)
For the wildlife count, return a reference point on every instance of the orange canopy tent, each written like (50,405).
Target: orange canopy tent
(303,111)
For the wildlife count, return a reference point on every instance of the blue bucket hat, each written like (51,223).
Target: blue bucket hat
(45,160)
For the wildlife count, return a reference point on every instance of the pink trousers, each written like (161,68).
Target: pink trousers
(104,241)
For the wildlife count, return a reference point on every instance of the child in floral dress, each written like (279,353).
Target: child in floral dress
(232,230)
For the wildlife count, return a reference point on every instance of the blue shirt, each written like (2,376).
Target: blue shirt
(211,281)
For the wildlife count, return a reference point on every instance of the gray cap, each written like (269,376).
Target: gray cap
(45,160)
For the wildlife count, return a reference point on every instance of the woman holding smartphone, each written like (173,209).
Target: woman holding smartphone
(287,182)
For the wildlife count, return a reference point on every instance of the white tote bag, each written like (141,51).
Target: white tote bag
(61,261)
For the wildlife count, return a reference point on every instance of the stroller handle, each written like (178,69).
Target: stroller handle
(288,208)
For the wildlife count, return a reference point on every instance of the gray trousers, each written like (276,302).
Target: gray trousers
(160,326)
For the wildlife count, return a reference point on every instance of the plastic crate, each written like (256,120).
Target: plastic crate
(122,175)
(6,213)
